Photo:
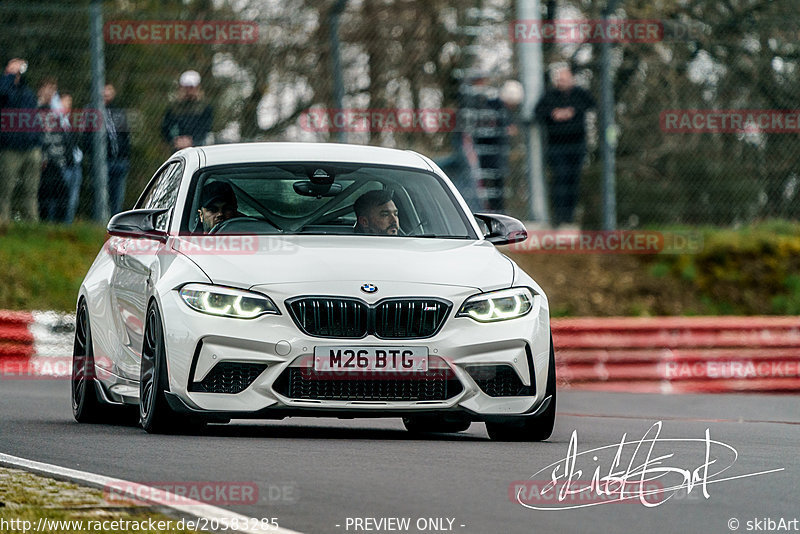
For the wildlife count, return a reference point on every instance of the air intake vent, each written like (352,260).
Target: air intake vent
(436,384)
(498,380)
(229,377)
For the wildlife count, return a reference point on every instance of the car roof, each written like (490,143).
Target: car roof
(313,152)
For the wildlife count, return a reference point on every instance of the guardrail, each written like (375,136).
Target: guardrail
(35,344)
(644,355)
(679,354)
(16,339)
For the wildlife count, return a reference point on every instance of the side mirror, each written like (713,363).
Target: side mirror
(137,223)
(502,229)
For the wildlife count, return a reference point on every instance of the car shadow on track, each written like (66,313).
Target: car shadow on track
(248,429)
(328,432)
(282,431)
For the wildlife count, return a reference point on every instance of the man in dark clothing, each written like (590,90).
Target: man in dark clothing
(53,192)
(376,213)
(481,142)
(20,148)
(487,121)
(218,203)
(563,112)
(118,147)
(188,122)
(73,174)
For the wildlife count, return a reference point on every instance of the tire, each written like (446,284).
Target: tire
(86,407)
(155,415)
(537,428)
(422,424)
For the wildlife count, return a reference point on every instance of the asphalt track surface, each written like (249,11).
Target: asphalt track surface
(339,469)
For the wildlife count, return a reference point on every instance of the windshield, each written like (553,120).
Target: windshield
(323,198)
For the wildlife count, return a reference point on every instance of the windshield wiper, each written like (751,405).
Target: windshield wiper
(440,236)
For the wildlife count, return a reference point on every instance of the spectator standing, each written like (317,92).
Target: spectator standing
(52,187)
(461,166)
(562,110)
(73,173)
(118,149)
(488,119)
(188,121)
(20,151)
(493,145)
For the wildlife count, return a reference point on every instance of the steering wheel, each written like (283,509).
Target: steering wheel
(226,222)
(416,229)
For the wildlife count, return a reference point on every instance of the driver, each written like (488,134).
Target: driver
(376,213)
(218,203)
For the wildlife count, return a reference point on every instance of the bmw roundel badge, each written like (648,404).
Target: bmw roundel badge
(369,288)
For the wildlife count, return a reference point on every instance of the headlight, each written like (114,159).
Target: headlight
(227,302)
(498,305)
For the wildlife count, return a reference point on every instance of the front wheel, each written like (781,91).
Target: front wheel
(86,408)
(537,428)
(155,415)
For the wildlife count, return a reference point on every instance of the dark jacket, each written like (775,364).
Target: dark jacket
(187,117)
(55,145)
(17,97)
(572,131)
(118,138)
(487,121)
(122,150)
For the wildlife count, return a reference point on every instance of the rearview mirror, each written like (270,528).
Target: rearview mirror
(312,189)
(501,229)
(137,223)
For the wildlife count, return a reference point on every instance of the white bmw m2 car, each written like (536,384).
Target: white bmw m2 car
(276,280)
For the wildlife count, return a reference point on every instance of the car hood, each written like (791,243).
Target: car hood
(247,261)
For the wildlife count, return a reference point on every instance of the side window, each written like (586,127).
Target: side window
(163,192)
(151,187)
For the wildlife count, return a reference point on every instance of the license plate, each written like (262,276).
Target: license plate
(383,359)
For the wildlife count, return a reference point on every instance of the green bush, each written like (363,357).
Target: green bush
(751,271)
(43,265)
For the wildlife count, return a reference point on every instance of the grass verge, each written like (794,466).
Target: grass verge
(43,264)
(753,270)
(58,507)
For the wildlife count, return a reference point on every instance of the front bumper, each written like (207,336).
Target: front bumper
(197,343)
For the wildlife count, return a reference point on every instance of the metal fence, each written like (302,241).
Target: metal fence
(269,71)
